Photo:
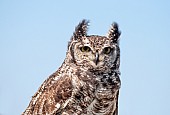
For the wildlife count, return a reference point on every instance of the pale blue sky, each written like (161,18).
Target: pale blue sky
(34,36)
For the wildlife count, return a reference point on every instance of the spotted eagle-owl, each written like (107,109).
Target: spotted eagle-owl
(88,81)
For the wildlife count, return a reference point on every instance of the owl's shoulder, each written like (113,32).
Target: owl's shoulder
(53,95)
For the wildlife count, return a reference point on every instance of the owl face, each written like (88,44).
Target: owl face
(95,52)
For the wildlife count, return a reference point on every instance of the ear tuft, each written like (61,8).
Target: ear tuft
(81,29)
(114,32)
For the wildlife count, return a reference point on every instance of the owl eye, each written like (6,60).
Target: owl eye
(85,49)
(107,50)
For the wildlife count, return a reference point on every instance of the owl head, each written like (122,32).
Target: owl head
(94,52)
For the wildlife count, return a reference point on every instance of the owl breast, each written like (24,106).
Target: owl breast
(105,95)
(97,94)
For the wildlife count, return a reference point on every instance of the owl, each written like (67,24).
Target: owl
(87,83)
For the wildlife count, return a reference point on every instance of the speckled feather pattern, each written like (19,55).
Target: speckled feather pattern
(81,86)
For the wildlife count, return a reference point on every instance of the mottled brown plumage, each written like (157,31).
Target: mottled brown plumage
(88,81)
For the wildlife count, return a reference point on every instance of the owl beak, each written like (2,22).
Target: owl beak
(96,58)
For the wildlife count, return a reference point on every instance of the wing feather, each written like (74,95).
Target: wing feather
(52,96)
